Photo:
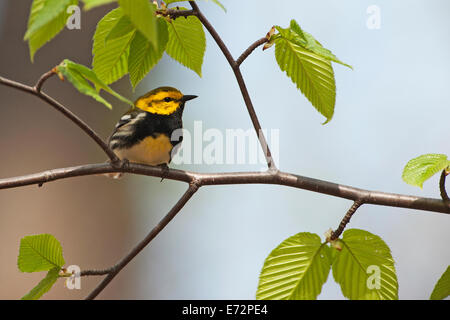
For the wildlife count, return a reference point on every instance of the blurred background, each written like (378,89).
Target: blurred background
(391,108)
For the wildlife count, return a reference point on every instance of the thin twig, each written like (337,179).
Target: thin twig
(193,187)
(234,66)
(444,194)
(85,273)
(42,79)
(346,219)
(173,13)
(250,49)
(66,112)
(237,72)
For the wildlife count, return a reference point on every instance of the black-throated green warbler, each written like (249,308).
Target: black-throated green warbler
(143,134)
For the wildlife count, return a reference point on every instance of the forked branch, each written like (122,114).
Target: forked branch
(113,271)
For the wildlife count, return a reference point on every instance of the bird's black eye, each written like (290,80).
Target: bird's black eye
(167,99)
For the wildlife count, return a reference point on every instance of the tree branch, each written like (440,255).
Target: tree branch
(444,194)
(173,13)
(237,72)
(227,178)
(36,91)
(44,78)
(95,272)
(250,49)
(346,219)
(193,187)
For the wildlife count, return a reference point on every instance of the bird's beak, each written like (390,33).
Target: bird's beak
(188,97)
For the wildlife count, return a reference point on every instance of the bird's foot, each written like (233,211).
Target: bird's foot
(165,169)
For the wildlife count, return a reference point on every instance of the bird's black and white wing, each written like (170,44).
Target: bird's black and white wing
(122,135)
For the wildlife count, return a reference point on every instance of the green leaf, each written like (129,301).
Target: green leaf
(78,75)
(420,169)
(296,269)
(89,4)
(83,86)
(215,1)
(39,253)
(90,75)
(310,43)
(143,55)
(142,15)
(44,24)
(48,11)
(122,28)
(364,268)
(442,287)
(43,286)
(187,42)
(110,57)
(312,73)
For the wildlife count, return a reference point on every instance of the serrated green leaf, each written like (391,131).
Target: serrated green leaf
(442,288)
(90,75)
(311,73)
(39,253)
(43,286)
(187,42)
(46,11)
(142,15)
(41,33)
(89,4)
(420,169)
(122,28)
(356,266)
(110,61)
(143,55)
(310,43)
(81,84)
(296,269)
(215,1)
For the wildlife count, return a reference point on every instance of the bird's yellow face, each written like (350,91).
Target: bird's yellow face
(163,101)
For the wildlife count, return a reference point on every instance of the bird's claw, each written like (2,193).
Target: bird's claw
(165,169)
